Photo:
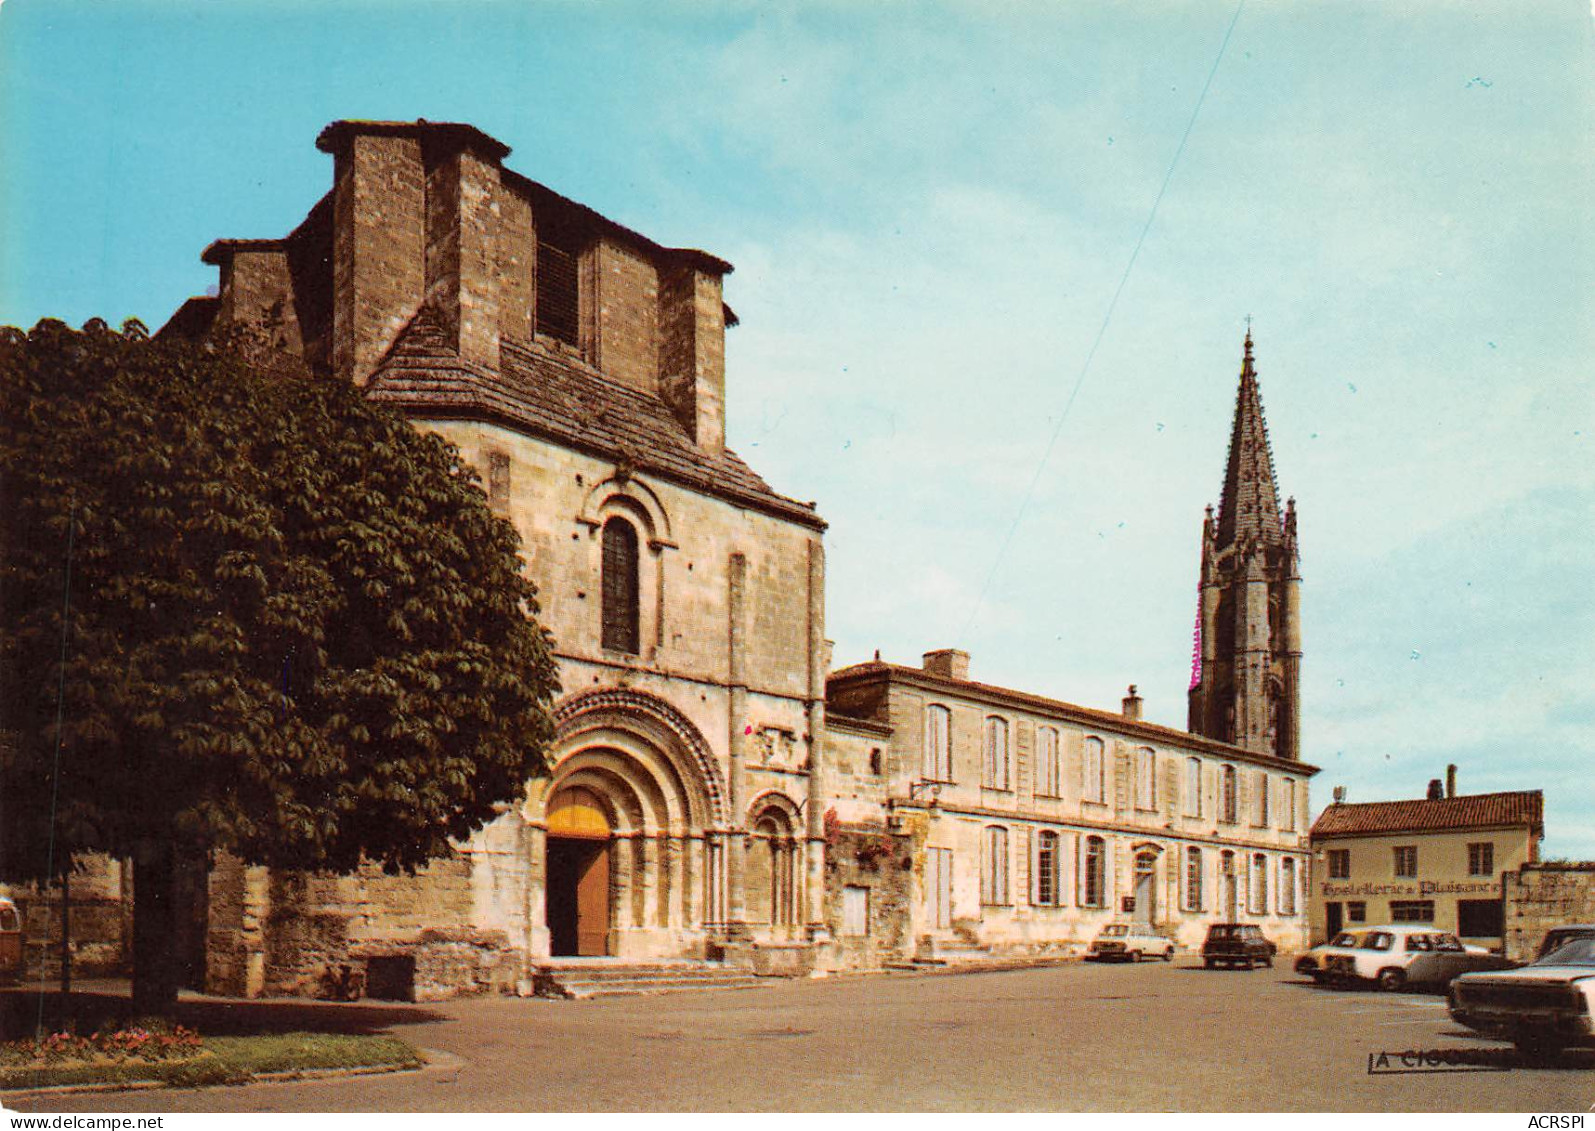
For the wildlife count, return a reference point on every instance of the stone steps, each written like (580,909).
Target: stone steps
(596,980)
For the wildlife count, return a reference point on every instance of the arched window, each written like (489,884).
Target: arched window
(1193,787)
(1287,886)
(1227,794)
(620,587)
(1262,798)
(1145,778)
(1257,901)
(994,866)
(1047,777)
(1193,879)
(1092,890)
(995,762)
(1047,870)
(938,762)
(1091,770)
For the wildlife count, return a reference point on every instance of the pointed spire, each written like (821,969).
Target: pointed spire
(1249,505)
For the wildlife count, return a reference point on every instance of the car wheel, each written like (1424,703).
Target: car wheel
(1168,955)
(1391,979)
(1135,956)
(1209,963)
(1269,962)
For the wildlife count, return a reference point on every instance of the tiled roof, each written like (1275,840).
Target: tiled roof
(1088,716)
(193,319)
(1480,810)
(562,400)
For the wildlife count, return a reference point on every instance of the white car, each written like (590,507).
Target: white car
(1126,942)
(1395,957)
(1315,962)
(1542,1008)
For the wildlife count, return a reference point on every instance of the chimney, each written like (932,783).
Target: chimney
(1436,789)
(950,663)
(1340,795)
(1451,780)
(1132,704)
(691,354)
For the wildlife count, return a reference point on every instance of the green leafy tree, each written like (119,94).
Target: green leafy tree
(244,609)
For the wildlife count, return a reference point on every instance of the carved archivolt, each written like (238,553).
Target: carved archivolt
(649,722)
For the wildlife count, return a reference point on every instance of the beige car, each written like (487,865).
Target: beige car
(1397,957)
(1126,942)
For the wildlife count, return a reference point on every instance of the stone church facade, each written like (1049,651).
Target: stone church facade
(712,794)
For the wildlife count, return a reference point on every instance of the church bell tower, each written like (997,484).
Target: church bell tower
(1246,673)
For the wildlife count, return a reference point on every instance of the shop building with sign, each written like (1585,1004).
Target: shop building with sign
(1436,861)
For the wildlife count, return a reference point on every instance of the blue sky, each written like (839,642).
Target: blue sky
(930,208)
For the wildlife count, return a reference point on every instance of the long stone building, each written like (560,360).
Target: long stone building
(713,795)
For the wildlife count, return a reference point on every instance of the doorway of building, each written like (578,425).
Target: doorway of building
(577,874)
(1145,889)
(1229,887)
(1332,918)
(939,887)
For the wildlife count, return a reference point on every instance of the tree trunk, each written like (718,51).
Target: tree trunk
(154,931)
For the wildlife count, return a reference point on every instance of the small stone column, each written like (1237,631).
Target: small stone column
(648,880)
(674,850)
(693,884)
(622,915)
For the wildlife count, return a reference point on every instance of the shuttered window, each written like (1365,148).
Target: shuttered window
(620,587)
(1047,776)
(1091,770)
(1193,787)
(995,774)
(994,866)
(938,753)
(557,294)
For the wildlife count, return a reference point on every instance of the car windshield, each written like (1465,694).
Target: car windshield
(1448,942)
(8,919)
(1345,938)
(1378,940)
(1578,952)
(1116,931)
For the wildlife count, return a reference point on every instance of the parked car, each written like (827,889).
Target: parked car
(1396,957)
(11,962)
(1236,944)
(1558,937)
(1314,963)
(1542,1008)
(1127,942)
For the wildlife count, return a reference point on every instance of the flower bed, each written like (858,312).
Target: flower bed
(180,1057)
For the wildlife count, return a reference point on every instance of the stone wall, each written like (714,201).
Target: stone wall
(881,861)
(101,918)
(1541,896)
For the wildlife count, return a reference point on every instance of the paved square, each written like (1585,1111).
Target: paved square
(1080,1037)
